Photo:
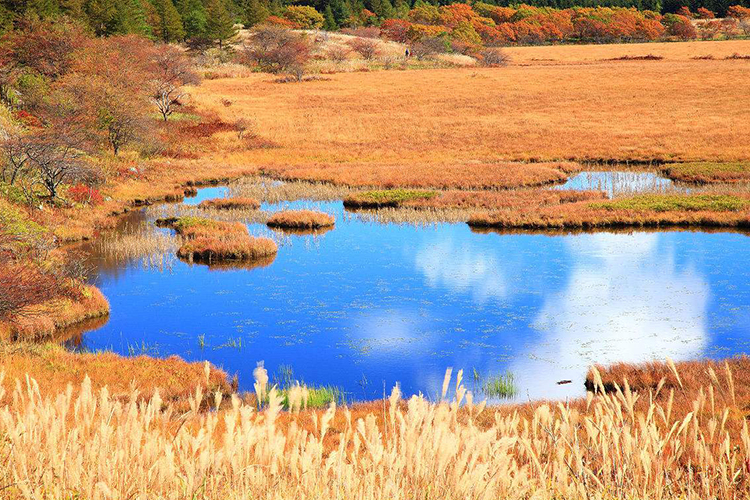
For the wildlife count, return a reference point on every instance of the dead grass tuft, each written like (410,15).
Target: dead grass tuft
(300,219)
(230,203)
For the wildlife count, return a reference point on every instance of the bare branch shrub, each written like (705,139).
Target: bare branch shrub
(427,47)
(365,47)
(338,53)
(278,50)
(493,57)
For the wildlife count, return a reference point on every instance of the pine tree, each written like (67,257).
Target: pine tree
(276,8)
(73,9)
(194,19)
(220,25)
(42,8)
(100,14)
(341,11)
(169,28)
(130,17)
(255,13)
(329,23)
(381,8)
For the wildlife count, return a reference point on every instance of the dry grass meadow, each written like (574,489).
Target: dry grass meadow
(365,128)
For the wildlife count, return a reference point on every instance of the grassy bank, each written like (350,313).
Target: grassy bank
(636,211)
(687,439)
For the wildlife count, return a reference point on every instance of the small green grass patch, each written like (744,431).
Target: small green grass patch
(677,203)
(709,172)
(386,197)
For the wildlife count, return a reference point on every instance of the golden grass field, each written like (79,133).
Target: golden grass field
(680,433)
(368,127)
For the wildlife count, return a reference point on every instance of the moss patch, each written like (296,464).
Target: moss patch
(386,197)
(677,203)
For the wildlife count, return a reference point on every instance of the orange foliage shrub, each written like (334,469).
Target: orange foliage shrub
(300,219)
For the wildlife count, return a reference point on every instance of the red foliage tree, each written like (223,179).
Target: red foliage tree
(396,30)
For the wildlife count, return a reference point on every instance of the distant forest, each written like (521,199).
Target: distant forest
(211,20)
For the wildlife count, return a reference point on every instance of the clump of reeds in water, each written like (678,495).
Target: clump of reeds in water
(275,191)
(211,241)
(502,386)
(237,214)
(295,395)
(153,249)
(620,444)
(300,219)
(230,204)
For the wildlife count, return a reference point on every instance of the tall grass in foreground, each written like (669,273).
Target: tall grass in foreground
(85,444)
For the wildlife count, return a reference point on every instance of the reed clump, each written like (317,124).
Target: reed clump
(386,198)
(211,241)
(709,172)
(300,219)
(622,444)
(231,203)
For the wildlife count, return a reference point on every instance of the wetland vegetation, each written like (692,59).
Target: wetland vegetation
(433,218)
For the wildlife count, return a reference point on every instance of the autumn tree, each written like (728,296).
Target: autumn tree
(171,71)
(304,16)
(278,50)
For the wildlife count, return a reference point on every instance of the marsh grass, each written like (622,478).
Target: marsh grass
(275,191)
(295,394)
(212,241)
(230,204)
(154,250)
(385,198)
(300,219)
(663,443)
(677,203)
(647,210)
(502,386)
(709,172)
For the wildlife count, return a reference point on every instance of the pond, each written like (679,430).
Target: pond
(616,183)
(367,305)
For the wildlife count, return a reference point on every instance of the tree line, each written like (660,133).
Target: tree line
(203,22)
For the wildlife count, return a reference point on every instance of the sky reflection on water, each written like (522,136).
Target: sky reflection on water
(367,305)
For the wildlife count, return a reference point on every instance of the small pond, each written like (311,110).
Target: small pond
(367,305)
(616,183)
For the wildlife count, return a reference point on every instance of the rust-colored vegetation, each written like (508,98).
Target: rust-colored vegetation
(475,175)
(54,368)
(635,211)
(709,172)
(508,199)
(230,203)
(210,241)
(300,219)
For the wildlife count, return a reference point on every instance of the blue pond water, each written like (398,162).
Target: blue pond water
(620,182)
(366,305)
